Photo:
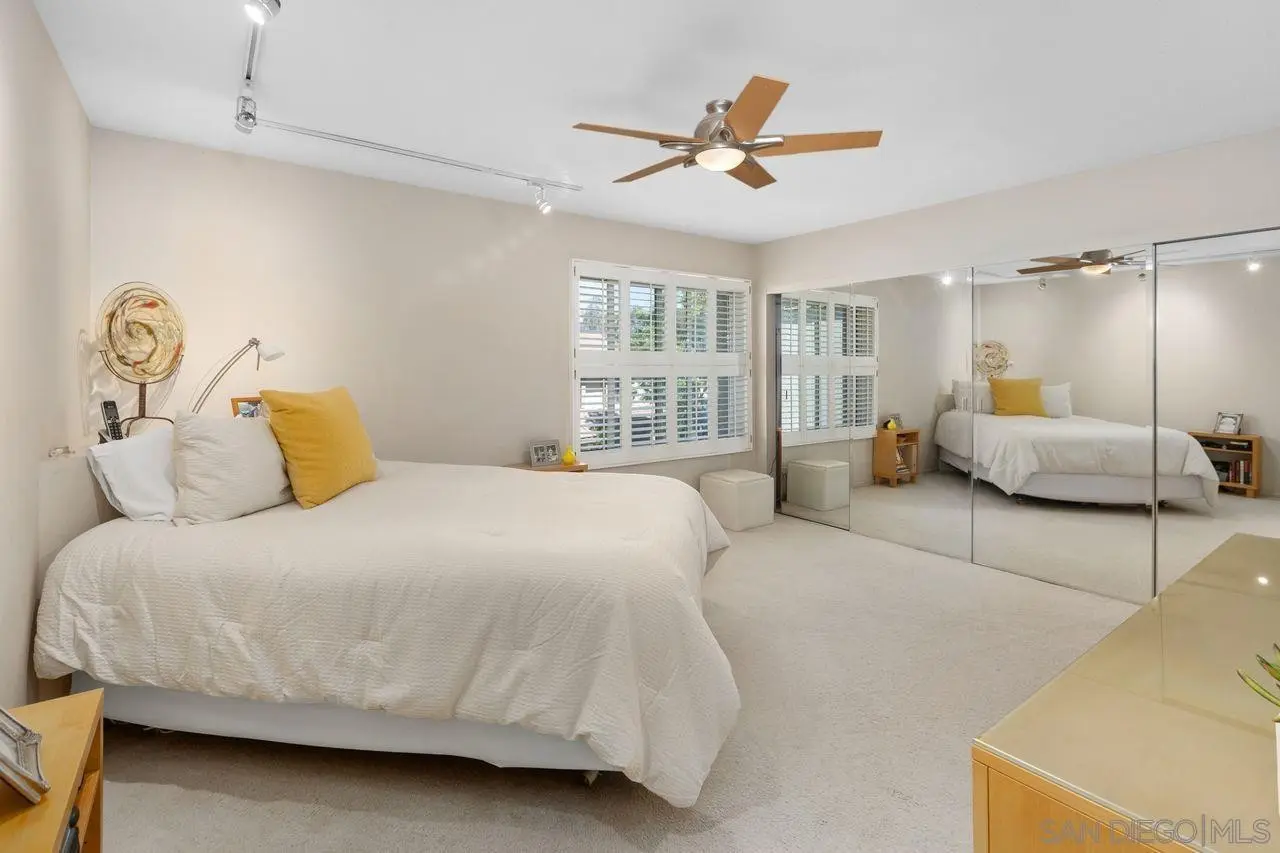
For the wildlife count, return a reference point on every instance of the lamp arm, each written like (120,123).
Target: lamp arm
(231,362)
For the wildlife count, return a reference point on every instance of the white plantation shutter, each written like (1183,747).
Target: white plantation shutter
(828,344)
(599,414)
(661,364)
(599,315)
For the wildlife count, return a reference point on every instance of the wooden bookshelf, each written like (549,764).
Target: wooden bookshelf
(1243,455)
(896,456)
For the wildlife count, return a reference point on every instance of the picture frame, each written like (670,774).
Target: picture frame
(247,407)
(892,416)
(1228,423)
(20,758)
(544,453)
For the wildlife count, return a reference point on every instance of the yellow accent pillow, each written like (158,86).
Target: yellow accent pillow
(1016,397)
(326,450)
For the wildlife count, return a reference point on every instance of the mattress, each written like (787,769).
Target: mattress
(1012,449)
(568,604)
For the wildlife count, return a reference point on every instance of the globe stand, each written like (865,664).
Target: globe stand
(127,423)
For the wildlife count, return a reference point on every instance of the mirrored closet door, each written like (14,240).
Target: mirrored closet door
(907,487)
(1062,402)
(1218,400)
(823,396)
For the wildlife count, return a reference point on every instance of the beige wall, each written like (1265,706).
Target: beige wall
(44,172)
(448,316)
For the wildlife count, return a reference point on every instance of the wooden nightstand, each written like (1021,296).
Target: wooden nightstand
(896,456)
(71,756)
(575,468)
(1244,455)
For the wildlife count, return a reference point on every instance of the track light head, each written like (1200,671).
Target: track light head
(261,11)
(246,114)
(540,199)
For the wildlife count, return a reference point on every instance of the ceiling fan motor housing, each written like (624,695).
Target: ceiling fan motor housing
(712,126)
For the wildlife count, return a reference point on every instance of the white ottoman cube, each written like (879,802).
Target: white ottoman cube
(740,499)
(819,484)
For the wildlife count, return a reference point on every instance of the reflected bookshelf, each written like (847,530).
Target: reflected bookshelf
(1237,459)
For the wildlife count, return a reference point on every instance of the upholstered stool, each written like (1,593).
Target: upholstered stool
(740,499)
(819,484)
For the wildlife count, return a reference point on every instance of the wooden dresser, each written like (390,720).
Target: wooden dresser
(71,756)
(1149,741)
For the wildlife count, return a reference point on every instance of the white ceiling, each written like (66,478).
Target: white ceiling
(972,96)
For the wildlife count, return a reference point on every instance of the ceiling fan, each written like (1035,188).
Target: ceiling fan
(1095,262)
(726,141)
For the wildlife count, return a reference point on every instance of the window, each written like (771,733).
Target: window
(661,364)
(828,344)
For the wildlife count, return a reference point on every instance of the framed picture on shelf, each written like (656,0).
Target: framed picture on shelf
(247,407)
(20,759)
(543,453)
(1228,423)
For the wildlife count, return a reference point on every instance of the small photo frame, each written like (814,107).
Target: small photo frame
(247,407)
(895,418)
(20,759)
(1228,423)
(544,453)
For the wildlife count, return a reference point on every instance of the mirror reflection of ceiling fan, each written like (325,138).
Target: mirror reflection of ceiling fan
(726,141)
(1096,262)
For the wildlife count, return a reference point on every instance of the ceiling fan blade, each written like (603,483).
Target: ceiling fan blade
(752,174)
(1057,259)
(637,134)
(649,170)
(753,107)
(809,143)
(1054,268)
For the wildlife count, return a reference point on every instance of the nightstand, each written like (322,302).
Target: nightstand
(71,756)
(896,456)
(1239,455)
(575,468)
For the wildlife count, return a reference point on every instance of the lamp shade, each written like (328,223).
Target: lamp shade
(269,352)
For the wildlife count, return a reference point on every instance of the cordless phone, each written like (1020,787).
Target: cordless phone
(111,418)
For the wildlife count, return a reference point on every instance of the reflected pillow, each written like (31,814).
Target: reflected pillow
(973,397)
(1017,397)
(1057,400)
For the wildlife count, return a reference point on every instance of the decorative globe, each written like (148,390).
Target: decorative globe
(140,333)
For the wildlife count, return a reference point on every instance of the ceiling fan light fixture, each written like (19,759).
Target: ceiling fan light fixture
(720,157)
(261,11)
(1097,269)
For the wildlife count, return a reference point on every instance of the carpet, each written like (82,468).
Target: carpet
(1106,550)
(865,669)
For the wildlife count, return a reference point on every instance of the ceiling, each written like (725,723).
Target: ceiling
(972,96)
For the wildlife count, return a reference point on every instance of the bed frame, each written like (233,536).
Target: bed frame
(338,727)
(71,503)
(1090,488)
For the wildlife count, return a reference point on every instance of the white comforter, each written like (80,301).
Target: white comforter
(1014,448)
(565,603)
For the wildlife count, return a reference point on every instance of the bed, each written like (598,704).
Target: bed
(525,619)
(1075,458)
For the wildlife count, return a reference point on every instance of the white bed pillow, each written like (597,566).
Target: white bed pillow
(226,468)
(136,474)
(973,397)
(1056,400)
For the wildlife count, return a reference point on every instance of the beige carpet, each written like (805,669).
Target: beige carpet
(1100,549)
(865,669)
